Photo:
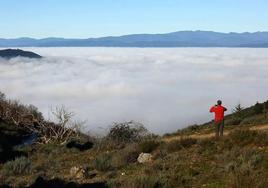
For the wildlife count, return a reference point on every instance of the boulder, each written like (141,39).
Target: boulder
(78,172)
(145,158)
(82,173)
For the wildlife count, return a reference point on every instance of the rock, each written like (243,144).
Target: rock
(145,158)
(82,173)
(78,172)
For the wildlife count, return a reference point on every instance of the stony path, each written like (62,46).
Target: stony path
(209,135)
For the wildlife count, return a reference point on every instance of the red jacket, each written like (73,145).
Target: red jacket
(219,112)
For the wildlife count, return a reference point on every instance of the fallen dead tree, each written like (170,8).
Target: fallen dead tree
(60,132)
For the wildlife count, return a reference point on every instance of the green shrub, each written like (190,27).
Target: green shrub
(240,165)
(207,144)
(188,129)
(106,144)
(19,166)
(254,120)
(142,182)
(244,137)
(258,108)
(127,132)
(125,156)
(239,157)
(187,142)
(242,178)
(238,111)
(262,139)
(102,162)
(147,146)
(113,183)
(235,121)
(173,146)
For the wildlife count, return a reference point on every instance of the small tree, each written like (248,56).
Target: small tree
(35,112)
(127,132)
(258,108)
(2,102)
(238,111)
(61,131)
(265,110)
(2,96)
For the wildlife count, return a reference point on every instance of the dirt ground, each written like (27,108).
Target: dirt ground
(209,135)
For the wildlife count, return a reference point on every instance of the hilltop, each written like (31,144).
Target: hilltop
(247,117)
(174,39)
(11,53)
(187,158)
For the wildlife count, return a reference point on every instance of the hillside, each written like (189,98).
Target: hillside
(238,160)
(174,39)
(11,53)
(246,117)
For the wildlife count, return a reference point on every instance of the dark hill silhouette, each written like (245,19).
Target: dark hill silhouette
(11,53)
(174,39)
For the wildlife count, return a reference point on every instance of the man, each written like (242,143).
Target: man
(218,110)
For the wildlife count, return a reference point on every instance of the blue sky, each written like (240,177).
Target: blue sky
(95,18)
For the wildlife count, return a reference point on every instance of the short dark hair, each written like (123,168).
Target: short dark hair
(219,102)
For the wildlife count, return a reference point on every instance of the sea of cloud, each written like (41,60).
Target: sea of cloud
(163,88)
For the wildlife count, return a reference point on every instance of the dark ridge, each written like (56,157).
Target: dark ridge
(11,53)
(174,39)
(58,183)
(81,147)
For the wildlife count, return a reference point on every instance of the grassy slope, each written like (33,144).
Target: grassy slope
(248,117)
(240,159)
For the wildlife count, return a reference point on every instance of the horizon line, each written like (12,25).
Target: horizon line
(55,37)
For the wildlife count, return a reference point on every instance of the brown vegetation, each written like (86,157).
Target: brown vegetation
(192,159)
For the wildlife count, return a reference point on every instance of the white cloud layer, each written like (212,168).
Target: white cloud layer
(163,88)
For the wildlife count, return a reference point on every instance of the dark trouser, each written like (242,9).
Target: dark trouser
(219,125)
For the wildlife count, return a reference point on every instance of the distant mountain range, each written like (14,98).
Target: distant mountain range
(175,39)
(11,53)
